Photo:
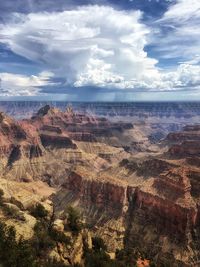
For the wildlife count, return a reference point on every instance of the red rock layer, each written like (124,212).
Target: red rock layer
(167,200)
(103,195)
(171,216)
(185,143)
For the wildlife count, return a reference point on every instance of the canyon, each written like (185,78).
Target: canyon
(134,178)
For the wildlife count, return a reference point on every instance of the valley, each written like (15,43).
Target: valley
(130,172)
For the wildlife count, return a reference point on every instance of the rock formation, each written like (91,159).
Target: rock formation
(137,194)
(186,142)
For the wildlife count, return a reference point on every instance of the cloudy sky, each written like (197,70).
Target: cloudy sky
(105,50)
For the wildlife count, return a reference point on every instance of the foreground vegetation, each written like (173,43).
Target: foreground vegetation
(15,252)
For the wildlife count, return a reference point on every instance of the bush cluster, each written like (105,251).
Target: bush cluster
(1,197)
(15,253)
(74,223)
(33,253)
(98,256)
(38,211)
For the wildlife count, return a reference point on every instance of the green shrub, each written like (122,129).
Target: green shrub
(98,256)
(127,257)
(99,259)
(73,220)
(15,253)
(98,244)
(1,196)
(9,210)
(26,255)
(41,240)
(59,237)
(13,213)
(38,211)
(55,264)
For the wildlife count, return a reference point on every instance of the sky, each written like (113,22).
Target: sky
(105,50)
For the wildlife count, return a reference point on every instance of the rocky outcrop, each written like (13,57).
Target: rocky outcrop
(185,149)
(194,161)
(163,205)
(82,136)
(35,151)
(28,151)
(51,128)
(47,110)
(146,168)
(79,127)
(17,140)
(185,143)
(169,200)
(183,136)
(167,197)
(11,129)
(163,212)
(153,167)
(56,141)
(14,155)
(176,180)
(103,195)
(191,128)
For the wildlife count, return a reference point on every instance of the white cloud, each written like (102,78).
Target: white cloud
(101,46)
(22,85)
(182,11)
(186,75)
(179,28)
(91,45)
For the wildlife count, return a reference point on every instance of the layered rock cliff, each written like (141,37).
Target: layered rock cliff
(186,142)
(142,200)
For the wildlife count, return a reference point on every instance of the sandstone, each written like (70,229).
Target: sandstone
(58,225)
(54,255)
(24,229)
(87,238)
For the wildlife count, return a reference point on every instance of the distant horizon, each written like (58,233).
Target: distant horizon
(109,102)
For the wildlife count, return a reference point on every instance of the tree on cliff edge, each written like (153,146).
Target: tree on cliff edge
(74,220)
